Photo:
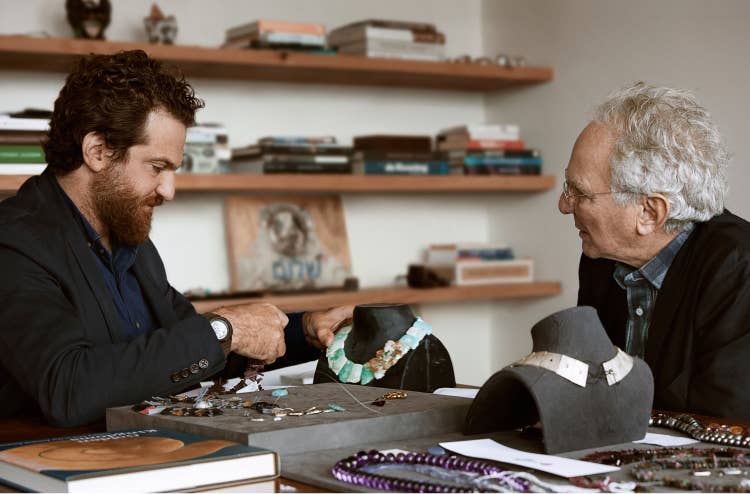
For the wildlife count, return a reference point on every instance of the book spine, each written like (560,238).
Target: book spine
(302,158)
(21,154)
(480,144)
(289,140)
(488,272)
(362,33)
(508,132)
(393,46)
(459,154)
(484,254)
(265,26)
(22,168)
(307,168)
(472,160)
(10,123)
(502,170)
(405,167)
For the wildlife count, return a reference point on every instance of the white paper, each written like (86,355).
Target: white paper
(462,392)
(556,465)
(666,440)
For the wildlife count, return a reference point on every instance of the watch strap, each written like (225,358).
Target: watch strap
(226,343)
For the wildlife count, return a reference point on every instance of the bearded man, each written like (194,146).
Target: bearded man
(88,319)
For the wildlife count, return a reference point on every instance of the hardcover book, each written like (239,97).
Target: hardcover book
(361,33)
(401,167)
(394,143)
(147,460)
(268,25)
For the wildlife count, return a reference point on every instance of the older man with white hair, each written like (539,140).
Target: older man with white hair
(666,266)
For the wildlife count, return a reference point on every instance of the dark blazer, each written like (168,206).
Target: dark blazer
(61,347)
(699,338)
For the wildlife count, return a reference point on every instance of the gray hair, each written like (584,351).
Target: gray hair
(668,144)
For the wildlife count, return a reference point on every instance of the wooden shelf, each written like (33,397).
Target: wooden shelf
(57,55)
(316,301)
(342,183)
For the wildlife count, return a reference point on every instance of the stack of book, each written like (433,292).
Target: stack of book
(21,136)
(389,39)
(265,33)
(293,154)
(206,149)
(489,149)
(398,155)
(478,264)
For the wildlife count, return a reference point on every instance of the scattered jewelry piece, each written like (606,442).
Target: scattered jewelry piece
(711,433)
(700,462)
(392,395)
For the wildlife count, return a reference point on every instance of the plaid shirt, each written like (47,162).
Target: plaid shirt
(642,287)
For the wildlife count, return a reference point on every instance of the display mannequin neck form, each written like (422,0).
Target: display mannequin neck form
(373,325)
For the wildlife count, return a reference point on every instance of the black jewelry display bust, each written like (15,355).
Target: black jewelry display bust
(573,417)
(425,368)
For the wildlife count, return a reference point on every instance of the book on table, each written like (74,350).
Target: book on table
(146,460)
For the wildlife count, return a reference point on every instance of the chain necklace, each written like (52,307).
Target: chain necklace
(720,463)
(711,433)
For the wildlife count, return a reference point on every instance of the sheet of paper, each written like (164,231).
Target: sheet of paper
(462,392)
(666,440)
(556,465)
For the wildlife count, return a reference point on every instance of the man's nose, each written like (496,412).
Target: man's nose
(564,205)
(166,185)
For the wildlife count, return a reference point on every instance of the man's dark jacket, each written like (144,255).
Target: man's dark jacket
(698,343)
(61,346)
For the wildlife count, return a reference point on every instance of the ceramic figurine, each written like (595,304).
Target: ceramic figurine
(88,18)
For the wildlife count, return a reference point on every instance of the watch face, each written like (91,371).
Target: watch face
(220,328)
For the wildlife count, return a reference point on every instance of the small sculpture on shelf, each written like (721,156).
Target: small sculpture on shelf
(160,29)
(88,18)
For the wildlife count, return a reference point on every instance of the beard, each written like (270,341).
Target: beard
(120,208)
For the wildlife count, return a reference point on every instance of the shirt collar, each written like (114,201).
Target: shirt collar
(655,270)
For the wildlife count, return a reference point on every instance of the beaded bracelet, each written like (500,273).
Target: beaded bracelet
(349,470)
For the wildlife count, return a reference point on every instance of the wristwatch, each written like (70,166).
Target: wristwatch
(223,330)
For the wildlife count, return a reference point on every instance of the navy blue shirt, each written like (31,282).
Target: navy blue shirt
(116,268)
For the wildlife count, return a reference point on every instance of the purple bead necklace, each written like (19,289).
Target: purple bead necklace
(350,470)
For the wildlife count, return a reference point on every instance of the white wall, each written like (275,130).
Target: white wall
(386,232)
(596,46)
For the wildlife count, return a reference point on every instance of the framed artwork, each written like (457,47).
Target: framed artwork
(286,243)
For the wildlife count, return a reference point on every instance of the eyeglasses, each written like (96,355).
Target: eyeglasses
(571,195)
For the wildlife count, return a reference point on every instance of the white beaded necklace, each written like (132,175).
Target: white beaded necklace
(385,358)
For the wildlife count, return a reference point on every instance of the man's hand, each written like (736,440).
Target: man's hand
(320,326)
(257,330)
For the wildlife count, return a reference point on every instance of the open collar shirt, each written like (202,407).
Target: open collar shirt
(642,287)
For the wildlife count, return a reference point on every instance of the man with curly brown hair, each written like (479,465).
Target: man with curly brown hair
(89,319)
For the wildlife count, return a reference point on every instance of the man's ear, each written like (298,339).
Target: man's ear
(96,154)
(653,211)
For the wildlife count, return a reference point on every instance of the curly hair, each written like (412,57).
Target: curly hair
(666,143)
(113,96)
